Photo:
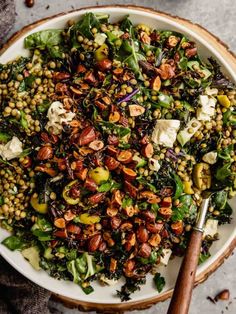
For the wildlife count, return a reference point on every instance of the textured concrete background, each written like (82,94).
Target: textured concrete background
(218,16)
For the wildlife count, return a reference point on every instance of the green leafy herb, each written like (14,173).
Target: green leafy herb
(203,257)
(178,186)
(23,121)
(109,185)
(13,243)
(4,137)
(127,202)
(159,282)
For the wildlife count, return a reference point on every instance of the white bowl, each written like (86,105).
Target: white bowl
(107,295)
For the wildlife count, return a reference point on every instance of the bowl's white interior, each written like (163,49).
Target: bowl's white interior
(107,294)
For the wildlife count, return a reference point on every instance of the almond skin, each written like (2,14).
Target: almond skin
(191,52)
(104,65)
(87,136)
(131,189)
(94,242)
(154,240)
(112,151)
(60,223)
(165,212)
(145,250)
(69,215)
(136,110)
(111,163)
(96,198)
(147,150)
(72,228)
(96,145)
(125,157)
(45,152)
(90,185)
(115,222)
(154,227)
(156,83)
(129,174)
(177,227)
(142,234)
(60,234)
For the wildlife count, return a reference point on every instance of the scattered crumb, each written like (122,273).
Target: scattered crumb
(72,7)
(224,295)
(47,7)
(211,299)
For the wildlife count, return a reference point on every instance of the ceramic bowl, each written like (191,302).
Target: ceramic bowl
(107,294)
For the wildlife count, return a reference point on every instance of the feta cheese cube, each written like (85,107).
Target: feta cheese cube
(166,256)
(207,109)
(165,132)
(210,158)
(210,227)
(11,149)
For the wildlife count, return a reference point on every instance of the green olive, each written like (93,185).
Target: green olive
(202,176)
(99,175)
(87,219)
(101,53)
(40,208)
(65,193)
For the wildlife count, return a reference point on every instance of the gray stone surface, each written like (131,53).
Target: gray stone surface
(218,16)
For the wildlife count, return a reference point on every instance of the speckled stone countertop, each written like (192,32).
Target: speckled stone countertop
(218,16)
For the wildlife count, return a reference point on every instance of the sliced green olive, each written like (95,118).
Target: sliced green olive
(66,191)
(40,208)
(202,176)
(99,175)
(87,219)
(101,53)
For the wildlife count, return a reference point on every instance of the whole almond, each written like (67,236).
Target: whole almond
(111,163)
(94,242)
(142,234)
(45,152)
(87,136)
(145,250)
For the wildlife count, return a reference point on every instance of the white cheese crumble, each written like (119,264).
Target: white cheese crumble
(117,33)
(109,282)
(166,256)
(211,91)
(11,149)
(153,164)
(165,132)
(100,38)
(207,109)
(210,227)
(210,158)
(57,115)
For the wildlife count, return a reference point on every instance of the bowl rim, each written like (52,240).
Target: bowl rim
(230,243)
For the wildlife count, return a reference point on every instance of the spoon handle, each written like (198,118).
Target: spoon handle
(181,297)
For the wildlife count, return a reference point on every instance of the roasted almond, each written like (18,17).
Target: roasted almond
(129,174)
(155,240)
(87,136)
(82,174)
(69,215)
(60,223)
(172,41)
(145,38)
(177,227)
(96,145)
(94,242)
(80,68)
(112,151)
(151,197)
(90,185)
(191,52)
(113,265)
(165,212)
(45,152)
(73,228)
(154,227)
(114,117)
(125,156)
(144,250)
(90,78)
(60,234)
(96,198)
(111,211)
(113,140)
(117,198)
(104,65)
(166,71)
(142,234)
(115,222)
(148,215)
(166,202)
(147,150)
(130,211)
(77,165)
(136,110)
(111,163)
(131,189)
(126,226)
(59,76)
(156,83)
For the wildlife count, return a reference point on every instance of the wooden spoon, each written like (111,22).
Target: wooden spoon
(182,294)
